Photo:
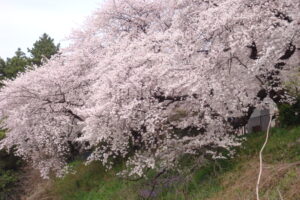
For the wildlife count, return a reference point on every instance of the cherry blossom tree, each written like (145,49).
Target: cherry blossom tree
(152,81)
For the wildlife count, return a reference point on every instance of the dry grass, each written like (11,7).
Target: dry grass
(240,184)
(34,187)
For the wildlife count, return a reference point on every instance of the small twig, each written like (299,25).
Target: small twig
(281,198)
(154,182)
(261,160)
(288,166)
(133,180)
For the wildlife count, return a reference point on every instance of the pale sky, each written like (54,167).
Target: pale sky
(22,22)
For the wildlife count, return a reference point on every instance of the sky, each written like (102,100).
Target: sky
(22,22)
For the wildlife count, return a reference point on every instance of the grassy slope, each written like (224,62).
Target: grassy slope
(223,180)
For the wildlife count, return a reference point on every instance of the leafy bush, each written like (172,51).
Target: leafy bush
(8,178)
(9,169)
(289,115)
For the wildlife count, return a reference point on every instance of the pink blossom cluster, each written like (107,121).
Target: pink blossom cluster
(150,81)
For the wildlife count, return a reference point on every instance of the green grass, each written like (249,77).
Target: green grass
(218,180)
(281,147)
(92,182)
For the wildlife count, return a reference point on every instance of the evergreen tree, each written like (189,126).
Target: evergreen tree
(15,64)
(42,48)
(2,67)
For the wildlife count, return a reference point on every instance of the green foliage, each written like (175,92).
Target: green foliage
(44,47)
(15,64)
(9,171)
(2,134)
(8,179)
(2,67)
(289,115)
